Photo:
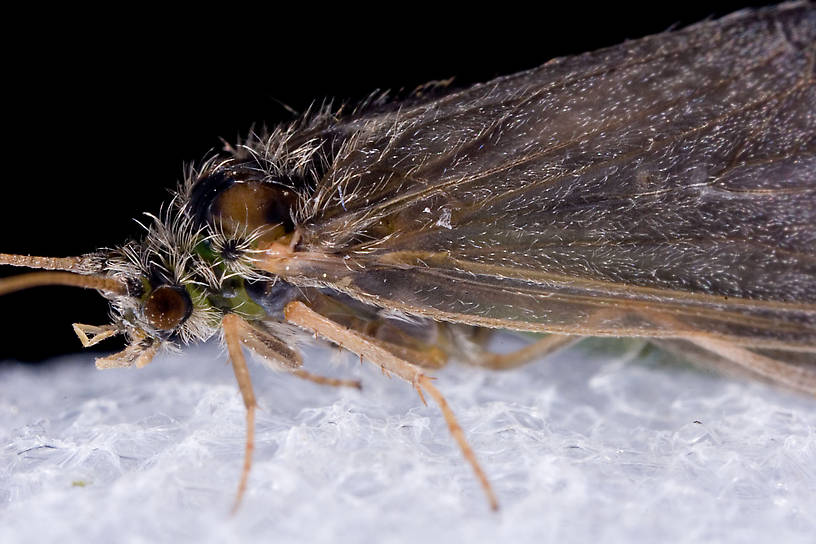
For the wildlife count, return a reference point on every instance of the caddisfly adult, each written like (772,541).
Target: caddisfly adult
(664,188)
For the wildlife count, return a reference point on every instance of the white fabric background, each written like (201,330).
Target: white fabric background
(597,443)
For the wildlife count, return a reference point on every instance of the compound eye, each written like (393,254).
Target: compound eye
(167,307)
(240,203)
(246,206)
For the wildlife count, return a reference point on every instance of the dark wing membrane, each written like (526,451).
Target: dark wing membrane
(665,186)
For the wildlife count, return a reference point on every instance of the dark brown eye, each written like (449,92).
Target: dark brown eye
(249,205)
(167,307)
(241,204)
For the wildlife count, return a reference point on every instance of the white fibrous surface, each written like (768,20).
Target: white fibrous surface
(606,441)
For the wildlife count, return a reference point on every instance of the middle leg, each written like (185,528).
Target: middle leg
(300,314)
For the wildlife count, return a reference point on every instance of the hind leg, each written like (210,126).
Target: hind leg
(792,369)
(470,344)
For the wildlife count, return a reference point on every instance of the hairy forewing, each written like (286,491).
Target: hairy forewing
(663,187)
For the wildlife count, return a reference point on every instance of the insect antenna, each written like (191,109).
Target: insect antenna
(45,263)
(69,274)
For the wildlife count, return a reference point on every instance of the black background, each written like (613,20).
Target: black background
(106,108)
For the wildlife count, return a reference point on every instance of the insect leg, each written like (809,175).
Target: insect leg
(418,342)
(529,353)
(303,316)
(232,336)
(732,358)
(325,380)
(90,335)
(790,375)
(136,354)
(266,345)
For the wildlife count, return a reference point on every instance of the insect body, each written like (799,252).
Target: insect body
(664,188)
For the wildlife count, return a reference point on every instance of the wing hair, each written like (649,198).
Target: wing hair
(682,163)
